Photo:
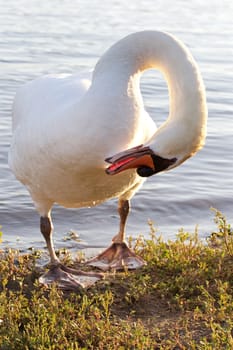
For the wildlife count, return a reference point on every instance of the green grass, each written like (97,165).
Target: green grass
(182,299)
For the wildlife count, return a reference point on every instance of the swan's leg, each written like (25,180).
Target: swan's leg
(118,256)
(46,228)
(65,277)
(123,211)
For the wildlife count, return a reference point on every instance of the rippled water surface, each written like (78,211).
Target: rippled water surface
(39,37)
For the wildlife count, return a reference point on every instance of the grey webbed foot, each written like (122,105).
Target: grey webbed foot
(67,278)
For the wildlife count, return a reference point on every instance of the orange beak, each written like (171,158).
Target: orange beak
(137,157)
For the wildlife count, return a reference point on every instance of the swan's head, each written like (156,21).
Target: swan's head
(142,158)
(171,145)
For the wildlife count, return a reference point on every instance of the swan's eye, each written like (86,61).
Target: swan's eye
(160,164)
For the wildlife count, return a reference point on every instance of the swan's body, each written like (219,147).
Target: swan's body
(65,126)
(61,141)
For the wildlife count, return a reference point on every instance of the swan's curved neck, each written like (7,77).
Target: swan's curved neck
(138,52)
(128,58)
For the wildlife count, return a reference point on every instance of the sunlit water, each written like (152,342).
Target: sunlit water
(40,37)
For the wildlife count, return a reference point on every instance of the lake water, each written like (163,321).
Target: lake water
(40,37)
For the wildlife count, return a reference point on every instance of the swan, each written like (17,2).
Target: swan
(66,128)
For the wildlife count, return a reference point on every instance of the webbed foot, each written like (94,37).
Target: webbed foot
(118,256)
(67,278)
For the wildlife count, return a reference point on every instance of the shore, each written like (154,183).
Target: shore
(182,299)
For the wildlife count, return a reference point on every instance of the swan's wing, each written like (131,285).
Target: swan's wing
(49,96)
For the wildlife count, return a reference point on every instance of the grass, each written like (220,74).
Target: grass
(182,299)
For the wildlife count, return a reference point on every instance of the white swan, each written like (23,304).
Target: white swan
(64,127)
